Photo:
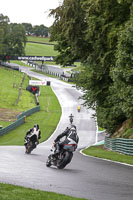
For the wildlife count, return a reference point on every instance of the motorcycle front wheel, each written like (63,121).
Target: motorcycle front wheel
(48,163)
(28,148)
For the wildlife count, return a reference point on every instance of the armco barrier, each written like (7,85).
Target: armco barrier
(12,126)
(19,121)
(29,112)
(121,145)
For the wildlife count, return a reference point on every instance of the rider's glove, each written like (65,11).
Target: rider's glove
(55,140)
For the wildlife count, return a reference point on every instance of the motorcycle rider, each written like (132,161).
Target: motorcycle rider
(78,108)
(71,118)
(28,134)
(70,135)
(37,132)
(33,131)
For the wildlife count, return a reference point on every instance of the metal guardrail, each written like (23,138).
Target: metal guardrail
(121,145)
(20,120)
(12,126)
(29,112)
(10,65)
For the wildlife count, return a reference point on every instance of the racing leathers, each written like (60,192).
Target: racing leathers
(70,135)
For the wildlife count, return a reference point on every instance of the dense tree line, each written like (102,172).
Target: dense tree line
(12,38)
(100,34)
(37,30)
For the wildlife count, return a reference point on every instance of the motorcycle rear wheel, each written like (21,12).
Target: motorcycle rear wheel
(67,158)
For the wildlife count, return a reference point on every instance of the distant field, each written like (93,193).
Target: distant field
(34,49)
(39,39)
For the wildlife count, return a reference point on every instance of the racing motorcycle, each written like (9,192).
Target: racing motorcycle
(64,157)
(30,143)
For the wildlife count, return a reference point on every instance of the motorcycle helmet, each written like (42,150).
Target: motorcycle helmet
(73,127)
(36,126)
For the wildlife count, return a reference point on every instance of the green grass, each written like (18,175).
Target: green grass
(46,62)
(47,118)
(33,49)
(100,152)
(19,63)
(49,75)
(39,39)
(9,93)
(100,129)
(11,192)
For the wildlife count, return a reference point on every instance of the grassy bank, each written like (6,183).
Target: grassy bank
(10,81)
(34,49)
(47,118)
(11,192)
(101,152)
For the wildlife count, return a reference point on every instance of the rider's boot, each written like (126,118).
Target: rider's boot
(57,150)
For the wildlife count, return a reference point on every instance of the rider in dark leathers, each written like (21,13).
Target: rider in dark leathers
(70,135)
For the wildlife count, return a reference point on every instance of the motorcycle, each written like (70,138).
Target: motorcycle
(71,118)
(30,143)
(64,157)
(78,108)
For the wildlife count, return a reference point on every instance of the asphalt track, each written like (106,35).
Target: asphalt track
(84,177)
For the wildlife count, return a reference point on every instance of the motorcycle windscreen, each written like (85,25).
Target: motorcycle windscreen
(70,147)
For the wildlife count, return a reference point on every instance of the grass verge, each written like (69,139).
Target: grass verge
(11,192)
(35,49)
(101,152)
(47,118)
(10,81)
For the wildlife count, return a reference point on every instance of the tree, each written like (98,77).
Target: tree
(105,21)
(122,74)
(13,38)
(68,30)
(4,20)
(28,28)
(40,30)
(90,30)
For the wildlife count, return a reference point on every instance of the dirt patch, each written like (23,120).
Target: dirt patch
(8,114)
(125,131)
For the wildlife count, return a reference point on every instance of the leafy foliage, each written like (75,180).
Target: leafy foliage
(37,30)
(13,38)
(99,33)
(68,26)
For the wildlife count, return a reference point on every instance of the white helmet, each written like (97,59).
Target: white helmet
(73,127)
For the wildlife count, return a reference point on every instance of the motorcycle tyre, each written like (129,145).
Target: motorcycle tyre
(29,148)
(48,163)
(67,159)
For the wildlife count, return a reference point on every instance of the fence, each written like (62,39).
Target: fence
(10,65)
(29,112)
(54,71)
(20,120)
(121,145)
